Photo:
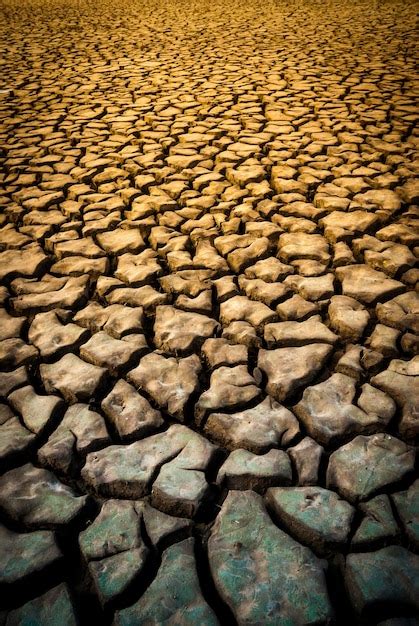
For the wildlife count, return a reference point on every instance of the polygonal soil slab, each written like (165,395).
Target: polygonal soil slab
(14,437)
(312,288)
(51,608)
(407,505)
(314,515)
(245,470)
(256,429)
(401,312)
(179,332)
(329,413)
(48,293)
(28,262)
(175,461)
(181,487)
(10,327)
(303,246)
(377,525)
(219,352)
(230,388)
(75,379)
(241,308)
(267,292)
(367,285)
(138,269)
(117,320)
(287,369)
(306,456)
(129,413)
(399,380)
(283,334)
(36,499)
(169,381)
(367,464)
(37,412)
(172,598)
(80,431)
(114,354)
(52,337)
(383,579)
(9,381)
(348,317)
(14,353)
(114,547)
(263,575)
(26,554)
(119,241)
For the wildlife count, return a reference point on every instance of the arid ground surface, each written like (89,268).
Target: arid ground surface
(208,321)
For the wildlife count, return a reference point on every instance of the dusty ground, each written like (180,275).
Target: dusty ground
(208,328)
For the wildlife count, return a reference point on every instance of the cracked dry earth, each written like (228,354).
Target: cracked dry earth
(209,322)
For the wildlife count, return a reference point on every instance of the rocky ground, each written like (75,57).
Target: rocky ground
(208,321)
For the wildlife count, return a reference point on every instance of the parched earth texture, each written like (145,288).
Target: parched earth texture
(209,317)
